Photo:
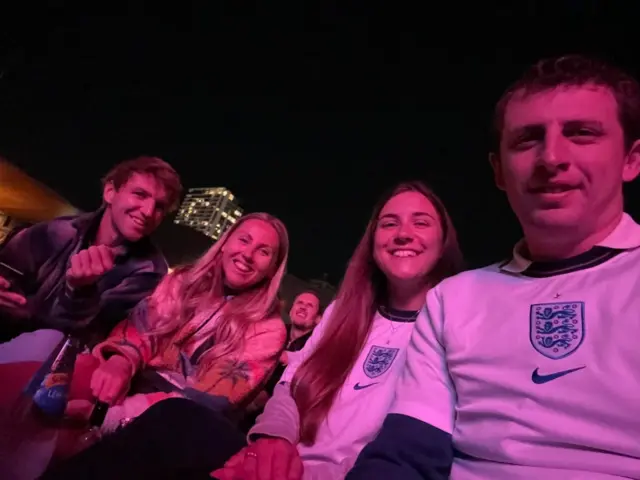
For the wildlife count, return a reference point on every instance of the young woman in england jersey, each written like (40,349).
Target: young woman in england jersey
(333,397)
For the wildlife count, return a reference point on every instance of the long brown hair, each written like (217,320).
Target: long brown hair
(318,380)
(199,288)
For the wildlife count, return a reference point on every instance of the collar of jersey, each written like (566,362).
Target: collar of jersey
(396,315)
(625,236)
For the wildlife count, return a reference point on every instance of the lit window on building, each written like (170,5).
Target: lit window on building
(223,210)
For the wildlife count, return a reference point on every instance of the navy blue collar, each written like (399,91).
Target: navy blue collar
(591,258)
(396,315)
(626,236)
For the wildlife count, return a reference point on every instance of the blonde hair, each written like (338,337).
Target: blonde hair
(198,290)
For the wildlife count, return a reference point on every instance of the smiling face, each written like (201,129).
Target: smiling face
(249,254)
(304,310)
(407,242)
(137,208)
(563,160)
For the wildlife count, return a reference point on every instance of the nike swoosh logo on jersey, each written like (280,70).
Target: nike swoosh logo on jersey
(357,386)
(540,379)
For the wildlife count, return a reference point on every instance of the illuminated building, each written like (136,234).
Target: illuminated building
(209,210)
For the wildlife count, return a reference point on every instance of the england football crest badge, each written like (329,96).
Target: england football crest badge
(556,330)
(379,360)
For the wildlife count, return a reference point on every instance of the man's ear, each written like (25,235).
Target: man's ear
(496,165)
(108,192)
(631,167)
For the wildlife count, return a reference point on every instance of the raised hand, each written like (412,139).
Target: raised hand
(9,300)
(88,265)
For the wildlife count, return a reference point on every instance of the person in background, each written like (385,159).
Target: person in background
(304,315)
(334,395)
(85,273)
(528,368)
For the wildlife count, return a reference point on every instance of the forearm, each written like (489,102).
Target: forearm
(102,310)
(280,417)
(74,308)
(405,448)
(127,342)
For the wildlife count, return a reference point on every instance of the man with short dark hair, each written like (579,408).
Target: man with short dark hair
(84,273)
(304,315)
(528,368)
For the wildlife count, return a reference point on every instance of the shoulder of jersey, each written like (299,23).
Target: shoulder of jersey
(469,278)
(327,313)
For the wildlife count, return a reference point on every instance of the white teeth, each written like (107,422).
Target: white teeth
(404,253)
(137,221)
(242,267)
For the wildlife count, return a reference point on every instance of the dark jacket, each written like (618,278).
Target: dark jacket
(42,253)
(294,346)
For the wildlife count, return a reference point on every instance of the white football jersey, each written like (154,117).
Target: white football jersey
(364,400)
(534,368)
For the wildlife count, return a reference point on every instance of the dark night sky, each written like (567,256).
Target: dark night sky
(307,113)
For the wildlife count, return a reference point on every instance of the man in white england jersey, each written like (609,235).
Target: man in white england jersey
(530,369)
